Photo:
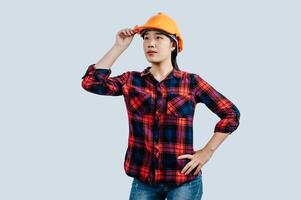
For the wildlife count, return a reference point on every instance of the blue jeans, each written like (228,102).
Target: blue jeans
(192,190)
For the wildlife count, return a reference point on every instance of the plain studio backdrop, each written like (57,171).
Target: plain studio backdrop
(60,142)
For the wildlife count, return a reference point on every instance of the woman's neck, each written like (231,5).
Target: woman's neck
(161,69)
(160,72)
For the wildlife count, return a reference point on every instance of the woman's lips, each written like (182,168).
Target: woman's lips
(151,53)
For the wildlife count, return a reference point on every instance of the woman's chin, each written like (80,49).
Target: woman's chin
(152,60)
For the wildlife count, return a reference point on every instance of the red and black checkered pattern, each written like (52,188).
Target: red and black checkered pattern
(161,118)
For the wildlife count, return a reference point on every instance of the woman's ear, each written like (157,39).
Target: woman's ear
(173,45)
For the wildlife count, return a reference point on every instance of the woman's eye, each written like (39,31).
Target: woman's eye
(145,38)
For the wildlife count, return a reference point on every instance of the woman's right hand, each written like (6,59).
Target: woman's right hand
(124,37)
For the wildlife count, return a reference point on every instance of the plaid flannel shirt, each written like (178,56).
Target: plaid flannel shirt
(161,118)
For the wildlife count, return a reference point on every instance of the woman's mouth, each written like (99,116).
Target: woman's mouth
(151,53)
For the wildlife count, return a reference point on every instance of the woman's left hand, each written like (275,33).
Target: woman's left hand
(198,159)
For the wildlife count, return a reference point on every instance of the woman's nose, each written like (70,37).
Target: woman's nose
(151,43)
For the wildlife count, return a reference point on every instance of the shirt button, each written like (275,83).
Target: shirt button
(159,106)
(157,152)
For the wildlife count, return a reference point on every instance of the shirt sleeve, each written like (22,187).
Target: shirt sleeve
(98,81)
(227,112)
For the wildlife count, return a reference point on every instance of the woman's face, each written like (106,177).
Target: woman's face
(155,41)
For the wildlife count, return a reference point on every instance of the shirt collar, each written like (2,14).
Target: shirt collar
(176,73)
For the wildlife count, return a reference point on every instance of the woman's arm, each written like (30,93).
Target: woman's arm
(109,58)
(202,156)
(229,121)
(124,38)
(96,79)
(215,141)
(220,105)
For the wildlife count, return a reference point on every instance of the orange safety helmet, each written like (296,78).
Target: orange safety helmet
(163,22)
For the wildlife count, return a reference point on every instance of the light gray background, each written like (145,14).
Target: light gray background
(60,142)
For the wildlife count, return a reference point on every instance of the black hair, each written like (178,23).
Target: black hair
(174,56)
(173,53)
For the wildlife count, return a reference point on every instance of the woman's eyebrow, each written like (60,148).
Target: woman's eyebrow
(157,33)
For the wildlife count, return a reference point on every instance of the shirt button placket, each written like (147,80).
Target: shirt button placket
(156,128)
(157,115)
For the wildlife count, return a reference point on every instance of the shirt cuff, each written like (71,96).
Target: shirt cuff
(99,74)
(102,74)
(226,128)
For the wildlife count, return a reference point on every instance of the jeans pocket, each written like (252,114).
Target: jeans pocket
(197,180)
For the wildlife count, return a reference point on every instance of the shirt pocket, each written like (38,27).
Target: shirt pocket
(179,105)
(139,102)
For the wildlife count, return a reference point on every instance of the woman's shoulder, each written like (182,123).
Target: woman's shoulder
(190,74)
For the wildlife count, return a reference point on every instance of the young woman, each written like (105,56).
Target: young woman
(160,102)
